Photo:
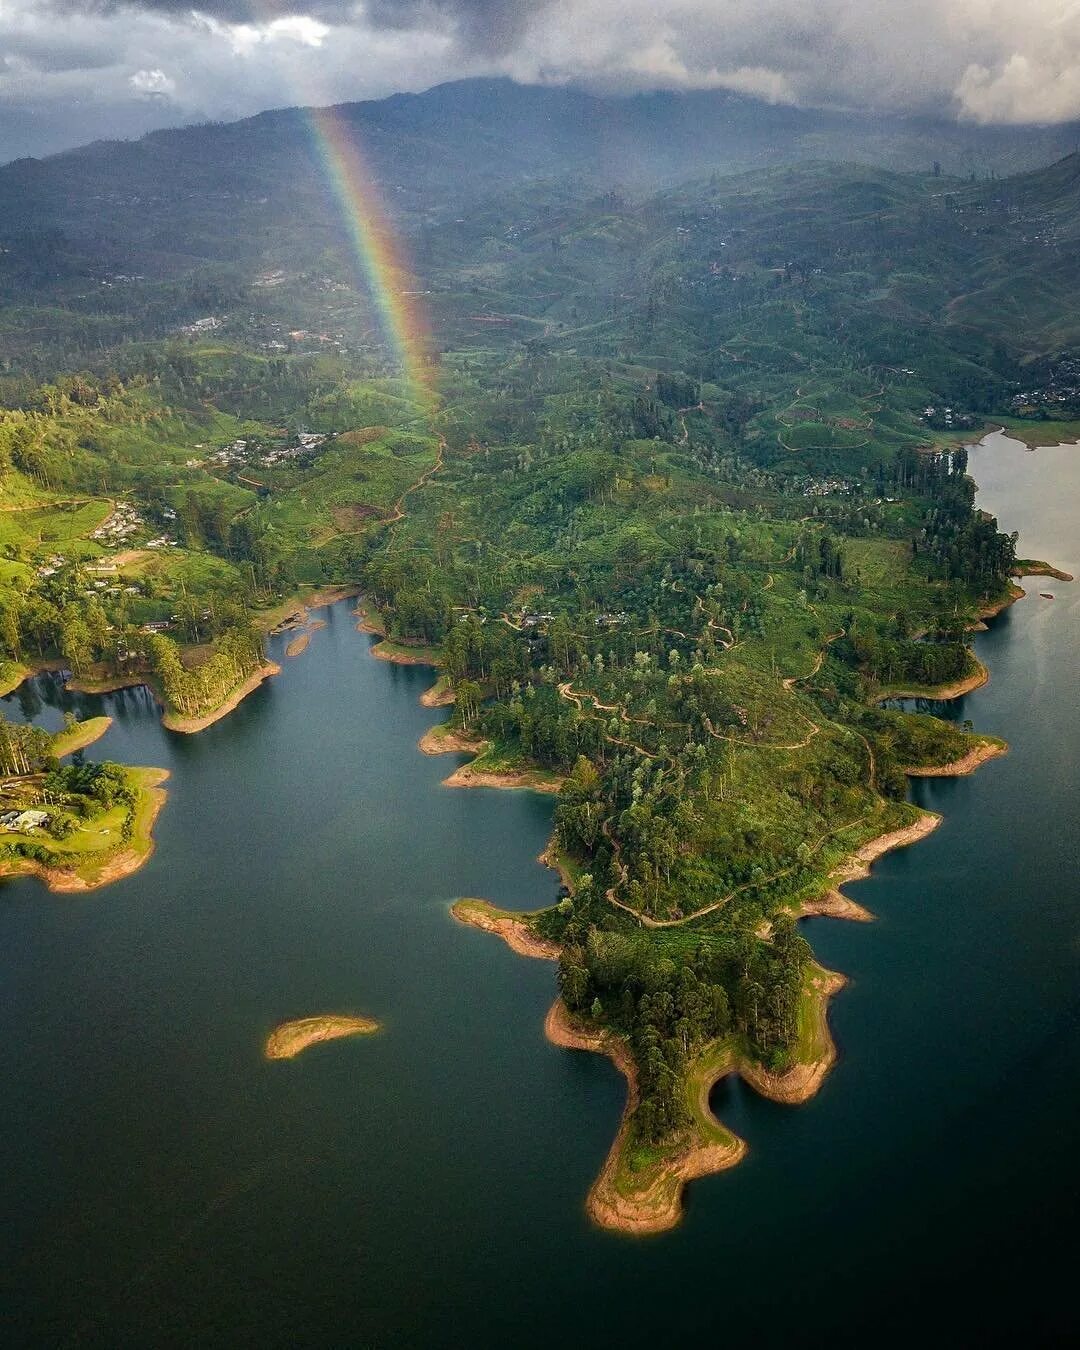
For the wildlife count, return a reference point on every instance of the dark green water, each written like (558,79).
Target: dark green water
(162,1185)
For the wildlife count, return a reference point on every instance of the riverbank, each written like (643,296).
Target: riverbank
(289,1039)
(960,768)
(955,689)
(94,870)
(857,867)
(512,928)
(486,770)
(190,725)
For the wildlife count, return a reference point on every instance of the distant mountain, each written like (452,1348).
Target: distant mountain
(436,151)
(547,202)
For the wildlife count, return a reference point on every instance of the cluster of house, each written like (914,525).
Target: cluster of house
(826,487)
(206,325)
(124,522)
(949,419)
(307,443)
(51,565)
(240,452)
(23,821)
(110,587)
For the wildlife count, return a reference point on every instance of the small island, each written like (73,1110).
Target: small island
(291,1038)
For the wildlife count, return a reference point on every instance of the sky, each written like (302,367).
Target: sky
(75,70)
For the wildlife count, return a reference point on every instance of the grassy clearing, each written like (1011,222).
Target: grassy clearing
(97,852)
(79,736)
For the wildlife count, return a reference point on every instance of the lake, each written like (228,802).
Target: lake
(163,1184)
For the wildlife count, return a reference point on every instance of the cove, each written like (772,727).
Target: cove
(163,1184)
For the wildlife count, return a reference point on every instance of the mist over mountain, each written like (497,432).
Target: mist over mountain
(438,148)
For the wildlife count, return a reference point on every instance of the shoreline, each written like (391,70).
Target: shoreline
(1032,567)
(61,881)
(289,1039)
(440,695)
(833,904)
(802,1080)
(170,720)
(960,768)
(190,725)
(398,653)
(297,608)
(941,692)
(437,741)
(858,866)
(1012,594)
(518,936)
(71,740)
(657,1205)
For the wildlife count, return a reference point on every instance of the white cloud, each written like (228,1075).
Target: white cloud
(152,84)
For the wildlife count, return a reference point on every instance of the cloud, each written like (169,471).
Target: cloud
(132,63)
(152,84)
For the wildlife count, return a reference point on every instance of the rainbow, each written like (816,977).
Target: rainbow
(384,268)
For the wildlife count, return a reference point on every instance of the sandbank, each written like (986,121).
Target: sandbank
(298,644)
(290,1038)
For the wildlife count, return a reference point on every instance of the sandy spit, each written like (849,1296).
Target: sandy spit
(290,1038)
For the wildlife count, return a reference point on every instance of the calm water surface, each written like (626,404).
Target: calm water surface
(161,1184)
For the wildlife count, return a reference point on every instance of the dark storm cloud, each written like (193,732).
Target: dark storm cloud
(988,60)
(491,25)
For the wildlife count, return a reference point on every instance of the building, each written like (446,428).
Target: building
(29,820)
